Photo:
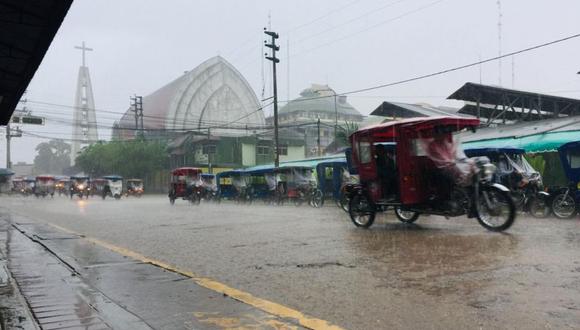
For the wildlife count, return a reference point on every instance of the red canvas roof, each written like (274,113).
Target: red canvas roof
(390,129)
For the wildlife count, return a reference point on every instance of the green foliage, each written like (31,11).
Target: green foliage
(550,167)
(538,162)
(53,157)
(344,132)
(137,158)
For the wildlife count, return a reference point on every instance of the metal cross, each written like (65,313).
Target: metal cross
(84,49)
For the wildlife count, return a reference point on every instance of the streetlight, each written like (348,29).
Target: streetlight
(328,89)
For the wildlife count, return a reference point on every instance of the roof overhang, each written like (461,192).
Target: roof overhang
(27,30)
(509,99)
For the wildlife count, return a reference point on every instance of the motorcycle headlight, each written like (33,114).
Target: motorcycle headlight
(488,171)
(81,187)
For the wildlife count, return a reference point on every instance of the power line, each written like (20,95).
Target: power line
(368,13)
(300,26)
(370,27)
(441,72)
(195,120)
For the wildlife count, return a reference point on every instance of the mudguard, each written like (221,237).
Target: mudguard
(500,187)
(543,194)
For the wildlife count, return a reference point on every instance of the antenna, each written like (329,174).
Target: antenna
(513,72)
(288,69)
(499,16)
(480,71)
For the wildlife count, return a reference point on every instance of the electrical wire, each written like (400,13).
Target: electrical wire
(445,71)
(368,13)
(369,28)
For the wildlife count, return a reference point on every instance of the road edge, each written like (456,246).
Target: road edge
(208,283)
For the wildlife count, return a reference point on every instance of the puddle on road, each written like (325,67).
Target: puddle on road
(435,261)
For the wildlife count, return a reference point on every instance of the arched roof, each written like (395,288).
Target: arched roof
(212,94)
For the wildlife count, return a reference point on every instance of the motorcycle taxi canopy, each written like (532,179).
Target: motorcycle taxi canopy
(185,174)
(570,157)
(409,135)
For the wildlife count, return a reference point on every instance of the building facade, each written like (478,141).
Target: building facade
(218,153)
(314,115)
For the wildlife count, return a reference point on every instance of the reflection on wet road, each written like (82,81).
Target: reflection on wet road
(435,274)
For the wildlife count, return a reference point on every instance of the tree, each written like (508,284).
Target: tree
(136,158)
(344,132)
(52,157)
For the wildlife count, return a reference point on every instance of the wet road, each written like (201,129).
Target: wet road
(435,274)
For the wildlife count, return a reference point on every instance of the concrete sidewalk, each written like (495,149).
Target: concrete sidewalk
(70,283)
(14,313)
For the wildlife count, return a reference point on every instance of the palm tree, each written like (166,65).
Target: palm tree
(343,133)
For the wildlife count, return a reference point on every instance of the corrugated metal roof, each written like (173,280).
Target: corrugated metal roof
(473,92)
(408,110)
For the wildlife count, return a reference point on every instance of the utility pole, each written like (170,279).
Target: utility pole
(335,118)
(318,140)
(209,153)
(137,108)
(274,60)
(9,135)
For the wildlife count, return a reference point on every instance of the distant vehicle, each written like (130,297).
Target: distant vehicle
(514,172)
(566,200)
(209,187)
(29,186)
(80,186)
(135,187)
(113,187)
(18,185)
(62,186)
(297,185)
(182,184)
(262,183)
(98,186)
(426,174)
(331,176)
(44,186)
(234,185)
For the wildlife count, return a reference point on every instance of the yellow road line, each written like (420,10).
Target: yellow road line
(247,298)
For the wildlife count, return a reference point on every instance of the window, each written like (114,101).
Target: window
(283,150)
(364,149)
(574,158)
(262,150)
(209,149)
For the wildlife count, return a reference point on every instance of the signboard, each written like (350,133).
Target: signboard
(30,120)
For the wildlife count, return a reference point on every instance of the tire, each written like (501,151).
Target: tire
(317,199)
(342,202)
(484,216)
(539,208)
(298,201)
(564,206)
(406,216)
(117,196)
(361,211)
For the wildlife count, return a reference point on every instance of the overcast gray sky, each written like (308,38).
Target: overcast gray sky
(140,45)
